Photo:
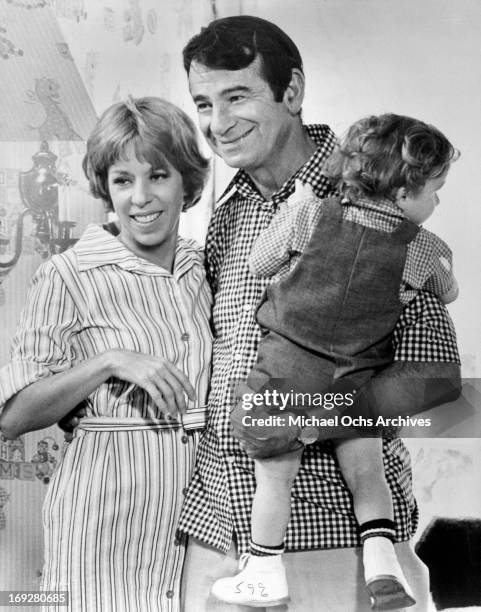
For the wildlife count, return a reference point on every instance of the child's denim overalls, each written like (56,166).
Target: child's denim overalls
(333,316)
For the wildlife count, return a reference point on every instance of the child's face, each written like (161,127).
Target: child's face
(420,207)
(148,202)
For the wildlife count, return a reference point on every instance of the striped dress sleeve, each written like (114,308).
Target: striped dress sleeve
(41,345)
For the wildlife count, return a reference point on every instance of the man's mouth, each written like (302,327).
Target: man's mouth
(147,218)
(234,141)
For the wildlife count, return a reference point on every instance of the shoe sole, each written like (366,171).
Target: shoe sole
(387,593)
(255,604)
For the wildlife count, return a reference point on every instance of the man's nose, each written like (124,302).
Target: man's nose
(221,120)
(141,193)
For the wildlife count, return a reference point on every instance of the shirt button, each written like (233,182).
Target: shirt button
(185,336)
(184,439)
(230,459)
(184,491)
(237,356)
(177,542)
(169,594)
(247,307)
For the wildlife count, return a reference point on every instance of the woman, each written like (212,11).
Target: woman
(120,325)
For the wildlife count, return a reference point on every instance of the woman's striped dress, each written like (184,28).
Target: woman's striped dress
(111,510)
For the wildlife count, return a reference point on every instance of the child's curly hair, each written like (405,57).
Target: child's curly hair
(382,153)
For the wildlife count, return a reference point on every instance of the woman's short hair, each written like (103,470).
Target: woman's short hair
(233,43)
(380,154)
(159,131)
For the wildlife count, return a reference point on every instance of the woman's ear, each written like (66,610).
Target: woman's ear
(294,94)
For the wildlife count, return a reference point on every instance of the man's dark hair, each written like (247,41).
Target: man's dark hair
(233,43)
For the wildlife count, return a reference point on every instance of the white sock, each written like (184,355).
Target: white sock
(380,559)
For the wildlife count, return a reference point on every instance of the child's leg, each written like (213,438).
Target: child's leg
(262,579)
(271,507)
(361,464)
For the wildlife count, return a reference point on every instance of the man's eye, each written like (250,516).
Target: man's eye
(237,98)
(203,107)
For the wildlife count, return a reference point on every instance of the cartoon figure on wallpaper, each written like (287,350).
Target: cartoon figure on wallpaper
(56,125)
(64,51)
(74,10)
(121,326)
(134,28)
(16,450)
(152,21)
(440,465)
(246,79)
(90,69)
(109,19)
(4,497)
(7,47)
(44,461)
(344,267)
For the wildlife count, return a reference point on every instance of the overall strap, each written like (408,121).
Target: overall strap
(332,207)
(405,232)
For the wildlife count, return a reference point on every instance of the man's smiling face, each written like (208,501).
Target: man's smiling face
(238,115)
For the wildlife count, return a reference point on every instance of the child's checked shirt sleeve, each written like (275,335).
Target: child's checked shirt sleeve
(288,233)
(429,264)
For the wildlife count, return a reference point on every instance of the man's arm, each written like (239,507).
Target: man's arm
(426,371)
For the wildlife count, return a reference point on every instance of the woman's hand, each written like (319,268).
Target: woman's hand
(49,399)
(166,384)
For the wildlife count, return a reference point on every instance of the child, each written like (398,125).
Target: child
(120,325)
(344,266)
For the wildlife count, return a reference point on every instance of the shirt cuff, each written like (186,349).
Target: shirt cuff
(17,375)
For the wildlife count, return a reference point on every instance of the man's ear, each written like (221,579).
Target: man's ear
(294,94)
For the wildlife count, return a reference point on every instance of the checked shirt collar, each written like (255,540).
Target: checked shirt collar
(310,172)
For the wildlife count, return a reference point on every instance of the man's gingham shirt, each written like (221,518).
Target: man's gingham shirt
(279,247)
(218,502)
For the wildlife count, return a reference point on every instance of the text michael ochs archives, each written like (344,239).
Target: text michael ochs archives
(279,401)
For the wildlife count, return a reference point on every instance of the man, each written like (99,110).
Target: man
(246,79)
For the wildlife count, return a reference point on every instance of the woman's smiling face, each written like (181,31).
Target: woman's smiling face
(148,202)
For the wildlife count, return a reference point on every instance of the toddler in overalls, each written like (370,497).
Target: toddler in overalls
(343,269)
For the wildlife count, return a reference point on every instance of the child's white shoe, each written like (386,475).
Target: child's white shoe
(260,583)
(385,580)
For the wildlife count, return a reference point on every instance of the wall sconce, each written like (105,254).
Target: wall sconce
(39,191)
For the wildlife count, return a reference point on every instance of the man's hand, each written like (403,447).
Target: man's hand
(301,193)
